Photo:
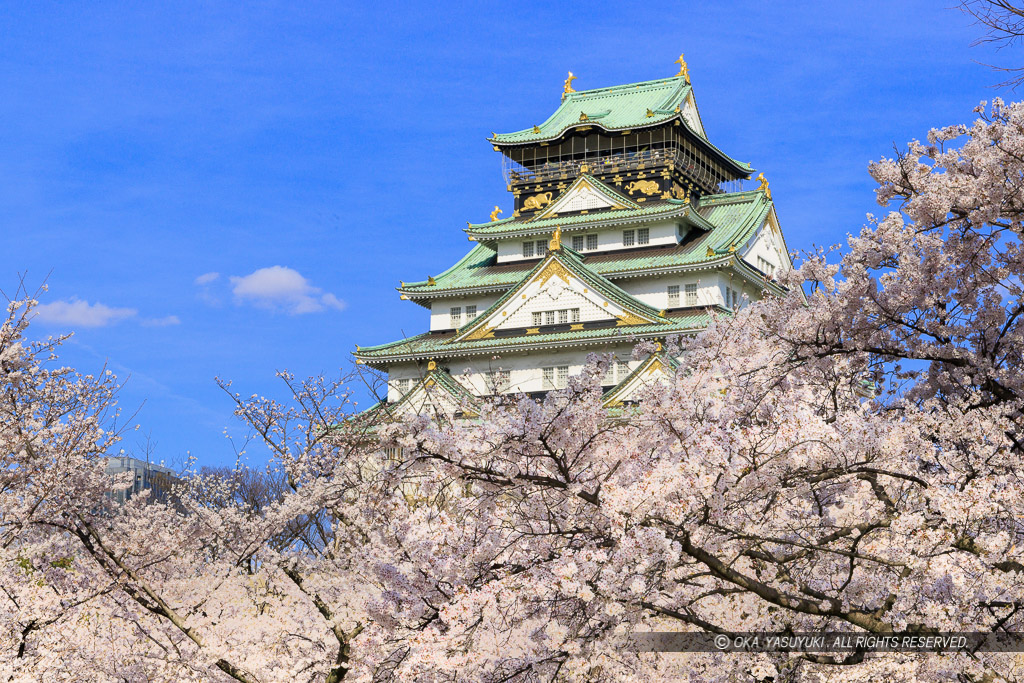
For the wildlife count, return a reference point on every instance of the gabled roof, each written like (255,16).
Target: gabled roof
(566,264)
(435,379)
(440,345)
(656,362)
(725,223)
(595,193)
(618,108)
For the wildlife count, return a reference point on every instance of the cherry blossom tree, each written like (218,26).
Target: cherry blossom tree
(846,457)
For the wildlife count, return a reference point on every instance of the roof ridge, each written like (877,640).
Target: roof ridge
(622,86)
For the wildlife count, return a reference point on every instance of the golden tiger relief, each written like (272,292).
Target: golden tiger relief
(648,187)
(537,201)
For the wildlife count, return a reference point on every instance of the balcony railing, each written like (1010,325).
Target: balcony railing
(681,158)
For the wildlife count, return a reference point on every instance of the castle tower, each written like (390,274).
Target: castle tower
(628,225)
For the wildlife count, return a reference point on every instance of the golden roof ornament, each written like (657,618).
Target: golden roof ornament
(649,113)
(683,69)
(764,186)
(567,88)
(494,214)
(556,239)
(430,280)
(536,129)
(431,365)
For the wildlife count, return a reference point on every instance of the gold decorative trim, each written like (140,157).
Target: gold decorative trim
(482,333)
(431,365)
(567,86)
(532,330)
(495,213)
(430,280)
(684,70)
(630,318)
(575,327)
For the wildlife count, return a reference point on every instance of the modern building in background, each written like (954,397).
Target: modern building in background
(628,224)
(147,476)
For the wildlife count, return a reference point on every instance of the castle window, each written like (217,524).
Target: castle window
(555,378)
(622,367)
(455,315)
(673,296)
(574,314)
(643,236)
(563,316)
(732,299)
(577,242)
(499,381)
(591,242)
(549,317)
(542,247)
(691,295)
(470,312)
(528,249)
(628,238)
(538,319)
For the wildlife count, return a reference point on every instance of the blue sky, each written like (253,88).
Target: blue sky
(217,190)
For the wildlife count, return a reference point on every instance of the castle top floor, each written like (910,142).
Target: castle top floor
(649,132)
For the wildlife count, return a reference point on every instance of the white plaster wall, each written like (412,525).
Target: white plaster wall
(653,291)
(440,310)
(769,246)
(525,372)
(608,239)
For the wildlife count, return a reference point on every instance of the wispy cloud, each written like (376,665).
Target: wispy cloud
(284,289)
(82,314)
(161,322)
(206,278)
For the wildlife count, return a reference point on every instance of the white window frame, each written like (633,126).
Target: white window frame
(673,296)
(628,238)
(528,249)
(591,242)
(643,236)
(690,294)
(577,242)
(470,312)
(455,316)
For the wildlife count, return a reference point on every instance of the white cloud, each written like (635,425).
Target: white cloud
(162,322)
(281,288)
(206,278)
(82,314)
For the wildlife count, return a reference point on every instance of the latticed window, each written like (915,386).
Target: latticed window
(622,367)
(470,312)
(577,242)
(673,296)
(574,315)
(528,249)
(628,238)
(549,317)
(555,378)
(538,318)
(591,242)
(499,381)
(455,314)
(691,295)
(563,316)
(643,236)
(542,247)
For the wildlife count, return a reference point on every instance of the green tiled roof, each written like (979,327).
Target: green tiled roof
(436,344)
(621,107)
(616,108)
(725,221)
